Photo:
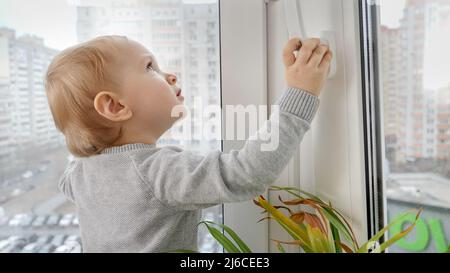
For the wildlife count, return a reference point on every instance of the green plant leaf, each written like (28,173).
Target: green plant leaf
(294,228)
(346,248)
(309,218)
(346,225)
(376,237)
(399,235)
(319,242)
(306,248)
(279,246)
(323,234)
(297,231)
(315,222)
(283,207)
(331,214)
(338,224)
(336,238)
(222,239)
(244,248)
(291,190)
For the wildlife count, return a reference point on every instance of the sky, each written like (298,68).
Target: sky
(391,12)
(55,25)
(58,24)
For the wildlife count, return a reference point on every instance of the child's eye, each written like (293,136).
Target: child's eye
(150,66)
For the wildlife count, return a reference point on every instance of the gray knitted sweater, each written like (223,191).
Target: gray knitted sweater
(144,198)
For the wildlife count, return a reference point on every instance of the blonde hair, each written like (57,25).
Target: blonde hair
(73,79)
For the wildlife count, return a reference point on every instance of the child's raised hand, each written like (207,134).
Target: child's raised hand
(310,68)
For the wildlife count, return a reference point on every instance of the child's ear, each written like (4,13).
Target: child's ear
(109,106)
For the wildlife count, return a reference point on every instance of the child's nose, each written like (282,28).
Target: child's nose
(171,79)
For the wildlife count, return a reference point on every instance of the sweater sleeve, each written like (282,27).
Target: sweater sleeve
(189,181)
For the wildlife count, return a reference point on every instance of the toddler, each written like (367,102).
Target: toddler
(112,102)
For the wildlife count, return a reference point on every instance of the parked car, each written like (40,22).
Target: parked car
(17,239)
(44,239)
(72,238)
(66,220)
(16,219)
(58,239)
(75,221)
(62,249)
(33,238)
(26,220)
(39,221)
(13,248)
(31,248)
(16,243)
(4,243)
(71,248)
(48,248)
(76,249)
(53,219)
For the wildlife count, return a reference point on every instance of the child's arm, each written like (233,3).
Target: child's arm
(186,180)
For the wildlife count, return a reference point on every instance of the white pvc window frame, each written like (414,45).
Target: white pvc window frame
(331,160)
(243,51)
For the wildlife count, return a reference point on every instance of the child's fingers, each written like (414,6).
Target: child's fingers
(288,51)
(326,60)
(307,50)
(317,55)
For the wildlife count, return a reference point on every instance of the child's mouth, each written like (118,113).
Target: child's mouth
(179,96)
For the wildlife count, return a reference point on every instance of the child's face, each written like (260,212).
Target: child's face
(149,92)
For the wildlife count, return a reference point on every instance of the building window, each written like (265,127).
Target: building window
(415,169)
(34,215)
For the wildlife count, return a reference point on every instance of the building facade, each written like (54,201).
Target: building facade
(410,100)
(184,38)
(26,125)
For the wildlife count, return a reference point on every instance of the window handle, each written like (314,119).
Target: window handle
(296,28)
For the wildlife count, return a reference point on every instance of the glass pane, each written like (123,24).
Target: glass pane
(416,85)
(183,35)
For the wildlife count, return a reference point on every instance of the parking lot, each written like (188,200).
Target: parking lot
(48,233)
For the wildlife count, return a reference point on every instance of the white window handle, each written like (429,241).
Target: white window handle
(296,28)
